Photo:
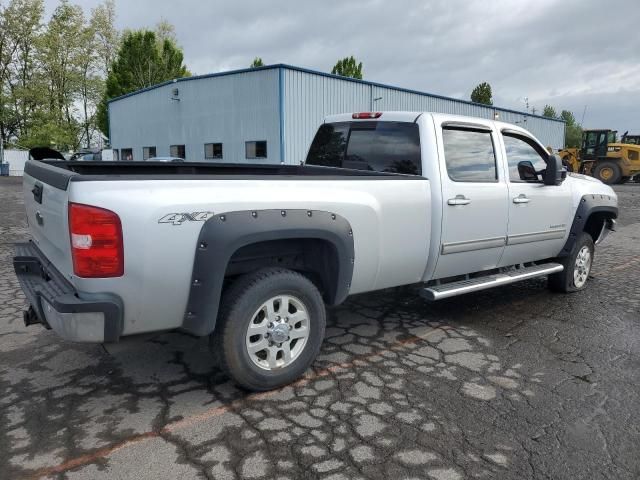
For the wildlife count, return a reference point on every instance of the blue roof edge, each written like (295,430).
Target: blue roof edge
(330,75)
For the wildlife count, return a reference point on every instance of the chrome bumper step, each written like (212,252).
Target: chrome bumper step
(438,292)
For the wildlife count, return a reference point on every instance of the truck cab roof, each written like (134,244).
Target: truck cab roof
(401,116)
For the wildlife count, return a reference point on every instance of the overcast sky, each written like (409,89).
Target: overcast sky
(567,53)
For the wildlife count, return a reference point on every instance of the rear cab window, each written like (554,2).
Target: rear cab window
(392,147)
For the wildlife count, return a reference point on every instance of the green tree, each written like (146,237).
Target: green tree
(549,112)
(482,94)
(348,67)
(52,74)
(572,130)
(257,62)
(141,62)
(100,44)
(20,84)
(165,31)
(106,36)
(46,131)
(91,84)
(573,135)
(568,117)
(60,49)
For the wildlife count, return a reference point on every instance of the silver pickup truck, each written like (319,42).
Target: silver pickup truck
(251,254)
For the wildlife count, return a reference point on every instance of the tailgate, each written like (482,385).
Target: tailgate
(45,190)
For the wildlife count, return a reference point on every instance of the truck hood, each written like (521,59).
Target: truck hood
(585,185)
(587,178)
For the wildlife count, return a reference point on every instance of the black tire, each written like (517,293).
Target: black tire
(239,304)
(564,281)
(608,172)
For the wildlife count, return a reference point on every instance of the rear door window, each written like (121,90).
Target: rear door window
(392,147)
(469,155)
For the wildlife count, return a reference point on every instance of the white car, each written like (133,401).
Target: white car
(250,254)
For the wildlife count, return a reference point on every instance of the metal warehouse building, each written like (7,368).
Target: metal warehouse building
(270,114)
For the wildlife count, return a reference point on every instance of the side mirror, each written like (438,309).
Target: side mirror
(527,172)
(555,173)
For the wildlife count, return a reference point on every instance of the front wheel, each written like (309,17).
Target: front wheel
(271,327)
(608,172)
(577,267)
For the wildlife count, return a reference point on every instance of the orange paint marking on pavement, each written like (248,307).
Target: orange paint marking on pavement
(625,265)
(92,457)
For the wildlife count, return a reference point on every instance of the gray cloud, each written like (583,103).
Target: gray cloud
(568,53)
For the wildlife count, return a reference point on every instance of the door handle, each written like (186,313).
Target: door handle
(522,198)
(459,200)
(37,192)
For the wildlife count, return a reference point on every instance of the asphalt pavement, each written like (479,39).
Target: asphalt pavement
(515,382)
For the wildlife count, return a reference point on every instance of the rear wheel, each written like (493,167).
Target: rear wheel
(607,171)
(577,267)
(271,327)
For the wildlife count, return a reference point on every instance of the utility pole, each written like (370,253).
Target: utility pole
(1,149)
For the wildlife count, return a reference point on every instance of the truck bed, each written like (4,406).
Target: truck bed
(58,173)
(390,222)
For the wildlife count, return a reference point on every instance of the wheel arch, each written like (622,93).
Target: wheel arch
(317,243)
(592,213)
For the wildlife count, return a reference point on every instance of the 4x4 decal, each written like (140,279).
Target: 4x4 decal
(179,218)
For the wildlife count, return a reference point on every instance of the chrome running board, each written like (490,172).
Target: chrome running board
(446,290)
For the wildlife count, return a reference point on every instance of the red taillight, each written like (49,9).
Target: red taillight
(96,242)
(364,115)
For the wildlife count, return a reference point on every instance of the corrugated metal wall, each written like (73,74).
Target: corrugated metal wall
(310,97)
(230,109)
(16,160)
(235,107)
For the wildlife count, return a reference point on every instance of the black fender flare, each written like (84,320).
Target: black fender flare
(589,204)
(223,234)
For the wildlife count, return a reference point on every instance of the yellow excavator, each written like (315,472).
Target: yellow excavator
(630,139)
(603,157)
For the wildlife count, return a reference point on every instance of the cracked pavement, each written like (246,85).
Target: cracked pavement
(514,382)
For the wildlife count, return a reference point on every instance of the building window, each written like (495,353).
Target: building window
(469,155)
(148,152)
(256,149)
(127,154)
(116,155)
(177,151)
(212,150)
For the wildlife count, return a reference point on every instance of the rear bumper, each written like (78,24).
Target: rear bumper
(75,316)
